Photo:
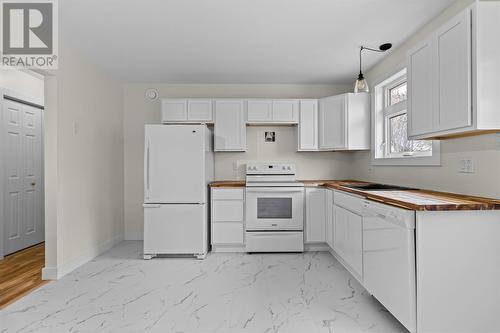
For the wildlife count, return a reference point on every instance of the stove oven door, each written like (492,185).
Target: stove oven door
(274,208)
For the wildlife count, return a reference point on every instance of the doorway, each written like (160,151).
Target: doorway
(22,156)
(22,221)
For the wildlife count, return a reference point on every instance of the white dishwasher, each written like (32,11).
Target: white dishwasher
(389,259)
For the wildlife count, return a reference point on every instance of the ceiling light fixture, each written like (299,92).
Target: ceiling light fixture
(361,85)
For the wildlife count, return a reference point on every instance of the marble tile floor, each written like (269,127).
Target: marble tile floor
(120,292)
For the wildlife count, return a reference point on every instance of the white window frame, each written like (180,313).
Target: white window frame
(381,113)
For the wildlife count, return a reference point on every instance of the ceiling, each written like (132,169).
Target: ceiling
(238,41)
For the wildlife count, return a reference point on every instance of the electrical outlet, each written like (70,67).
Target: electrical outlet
(466,166)
(235,166)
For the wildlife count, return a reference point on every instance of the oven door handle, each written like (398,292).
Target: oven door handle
(274,189)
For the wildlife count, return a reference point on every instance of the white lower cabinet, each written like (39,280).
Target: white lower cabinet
(227,233)
(329,217)
(315,215)
(227,222)
(348,232)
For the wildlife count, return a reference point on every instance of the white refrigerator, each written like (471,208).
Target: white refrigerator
(178,165)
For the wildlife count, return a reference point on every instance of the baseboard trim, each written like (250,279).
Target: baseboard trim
(55,273)
(134,236)
(320,247)
(49,273)
(228,249)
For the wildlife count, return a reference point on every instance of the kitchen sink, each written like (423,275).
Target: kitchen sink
(376,187)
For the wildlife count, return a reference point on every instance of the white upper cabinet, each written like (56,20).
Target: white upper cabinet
(199,110)
(173,110)
(332,130)
(308,125)
(420,82)
(230,130)
(273,111)
(452,76)
(260,111)
(453,73)
(344,122)
(286,111)
(196,110)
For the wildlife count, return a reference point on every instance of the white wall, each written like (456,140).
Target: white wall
(139,111)
(84,163)
(310,165)
(483,150)
(23,83)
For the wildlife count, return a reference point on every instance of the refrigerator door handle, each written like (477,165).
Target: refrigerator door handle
(147,170)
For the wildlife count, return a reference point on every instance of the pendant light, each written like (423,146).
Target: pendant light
(361,85)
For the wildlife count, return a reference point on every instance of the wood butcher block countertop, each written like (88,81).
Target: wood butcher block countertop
(412,199)
(228,183)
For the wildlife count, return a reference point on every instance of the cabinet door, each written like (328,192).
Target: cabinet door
(173,110)
(340,232)
(332,123)
(329,217)
(355,242)
(348,236)
(315,215)
(260,111)
(199,110)
(308,125)
(285,111)
(229,130)
(453,71)
(420,88)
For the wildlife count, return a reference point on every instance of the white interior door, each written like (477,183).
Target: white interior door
(22,153)
(174,164)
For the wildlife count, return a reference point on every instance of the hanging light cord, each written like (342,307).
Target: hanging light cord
(369,49)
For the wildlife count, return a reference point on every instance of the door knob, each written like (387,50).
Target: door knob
(33,184)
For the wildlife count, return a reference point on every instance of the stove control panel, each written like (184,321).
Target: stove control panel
(270,169)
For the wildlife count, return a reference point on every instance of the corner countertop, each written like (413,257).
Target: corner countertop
(414,199)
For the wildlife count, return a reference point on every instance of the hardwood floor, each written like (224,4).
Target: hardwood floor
(20,273)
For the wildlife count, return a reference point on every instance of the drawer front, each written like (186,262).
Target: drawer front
(227,233)
(350,202)
(274,241)
(227,210)
(227,194)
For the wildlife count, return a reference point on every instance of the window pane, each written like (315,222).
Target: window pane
(397,94)
(399,137)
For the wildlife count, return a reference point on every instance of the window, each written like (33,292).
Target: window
(392,145)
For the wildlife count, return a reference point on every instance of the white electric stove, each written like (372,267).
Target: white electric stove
(274,208)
